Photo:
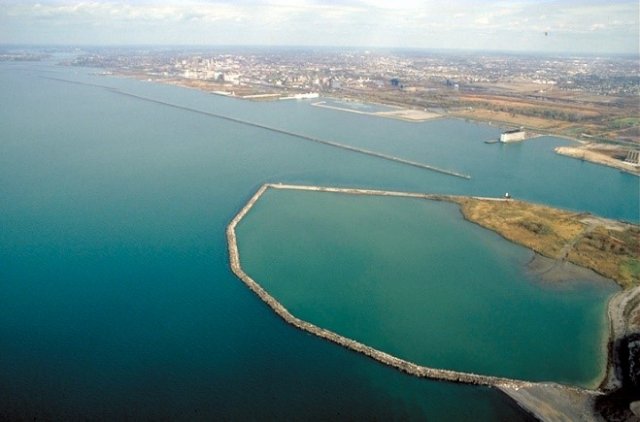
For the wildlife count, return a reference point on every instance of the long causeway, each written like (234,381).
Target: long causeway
(276,130)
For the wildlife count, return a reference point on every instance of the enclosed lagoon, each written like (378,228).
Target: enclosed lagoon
(410,277)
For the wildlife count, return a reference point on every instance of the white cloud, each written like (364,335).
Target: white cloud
(460,23)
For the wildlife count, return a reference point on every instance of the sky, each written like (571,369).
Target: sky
(567,26)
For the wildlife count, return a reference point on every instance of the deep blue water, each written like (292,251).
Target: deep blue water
(116,300)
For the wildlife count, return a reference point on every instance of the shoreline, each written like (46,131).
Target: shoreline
(271,97)
(540,235)
(555,270)
(551,270)
(403,114)
(584,154)
(619,310)
(548,401)
(620,400)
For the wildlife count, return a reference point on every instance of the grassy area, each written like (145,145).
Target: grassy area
(624,122)
(608,247)
(632,268)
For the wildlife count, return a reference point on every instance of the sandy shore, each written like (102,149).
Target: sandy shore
(409,115)
(405,114)
(621,386)
(624,319)
(614,399)
(584,153)
(549,403)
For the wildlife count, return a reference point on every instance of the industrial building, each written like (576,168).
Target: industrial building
(512,136)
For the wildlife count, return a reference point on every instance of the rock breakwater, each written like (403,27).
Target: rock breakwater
(547,401)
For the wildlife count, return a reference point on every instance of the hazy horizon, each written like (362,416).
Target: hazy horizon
(241,48)
(522,26)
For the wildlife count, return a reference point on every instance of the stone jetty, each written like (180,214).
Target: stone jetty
(305,137)
(547,401)
(280,131)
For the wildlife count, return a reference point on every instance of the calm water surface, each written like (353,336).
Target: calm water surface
(116,299)
(413,278)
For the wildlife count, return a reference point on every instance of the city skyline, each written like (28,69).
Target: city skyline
(580,26)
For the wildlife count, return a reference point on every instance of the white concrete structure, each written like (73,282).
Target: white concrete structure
(306,96)
(512,136)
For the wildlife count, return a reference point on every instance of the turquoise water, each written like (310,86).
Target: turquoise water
(412,278)
(116,299)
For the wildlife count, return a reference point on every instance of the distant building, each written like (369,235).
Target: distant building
(512,136)
(633,157)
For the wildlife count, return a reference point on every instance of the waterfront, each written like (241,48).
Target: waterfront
(116,297)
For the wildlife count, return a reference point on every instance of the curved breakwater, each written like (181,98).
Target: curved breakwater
(276,130)
(380,356)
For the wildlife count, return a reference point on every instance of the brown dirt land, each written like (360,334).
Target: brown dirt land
(536,123)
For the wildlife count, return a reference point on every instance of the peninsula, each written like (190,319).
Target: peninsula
(608,247)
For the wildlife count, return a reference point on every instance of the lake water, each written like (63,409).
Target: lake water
(116,298)
(412,278)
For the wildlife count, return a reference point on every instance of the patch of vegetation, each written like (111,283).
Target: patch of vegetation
(631,267)
(608,247)
(535,227)
(607,243)
(623,123)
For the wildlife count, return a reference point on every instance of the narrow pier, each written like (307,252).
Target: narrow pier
(276,130)
(301,136)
